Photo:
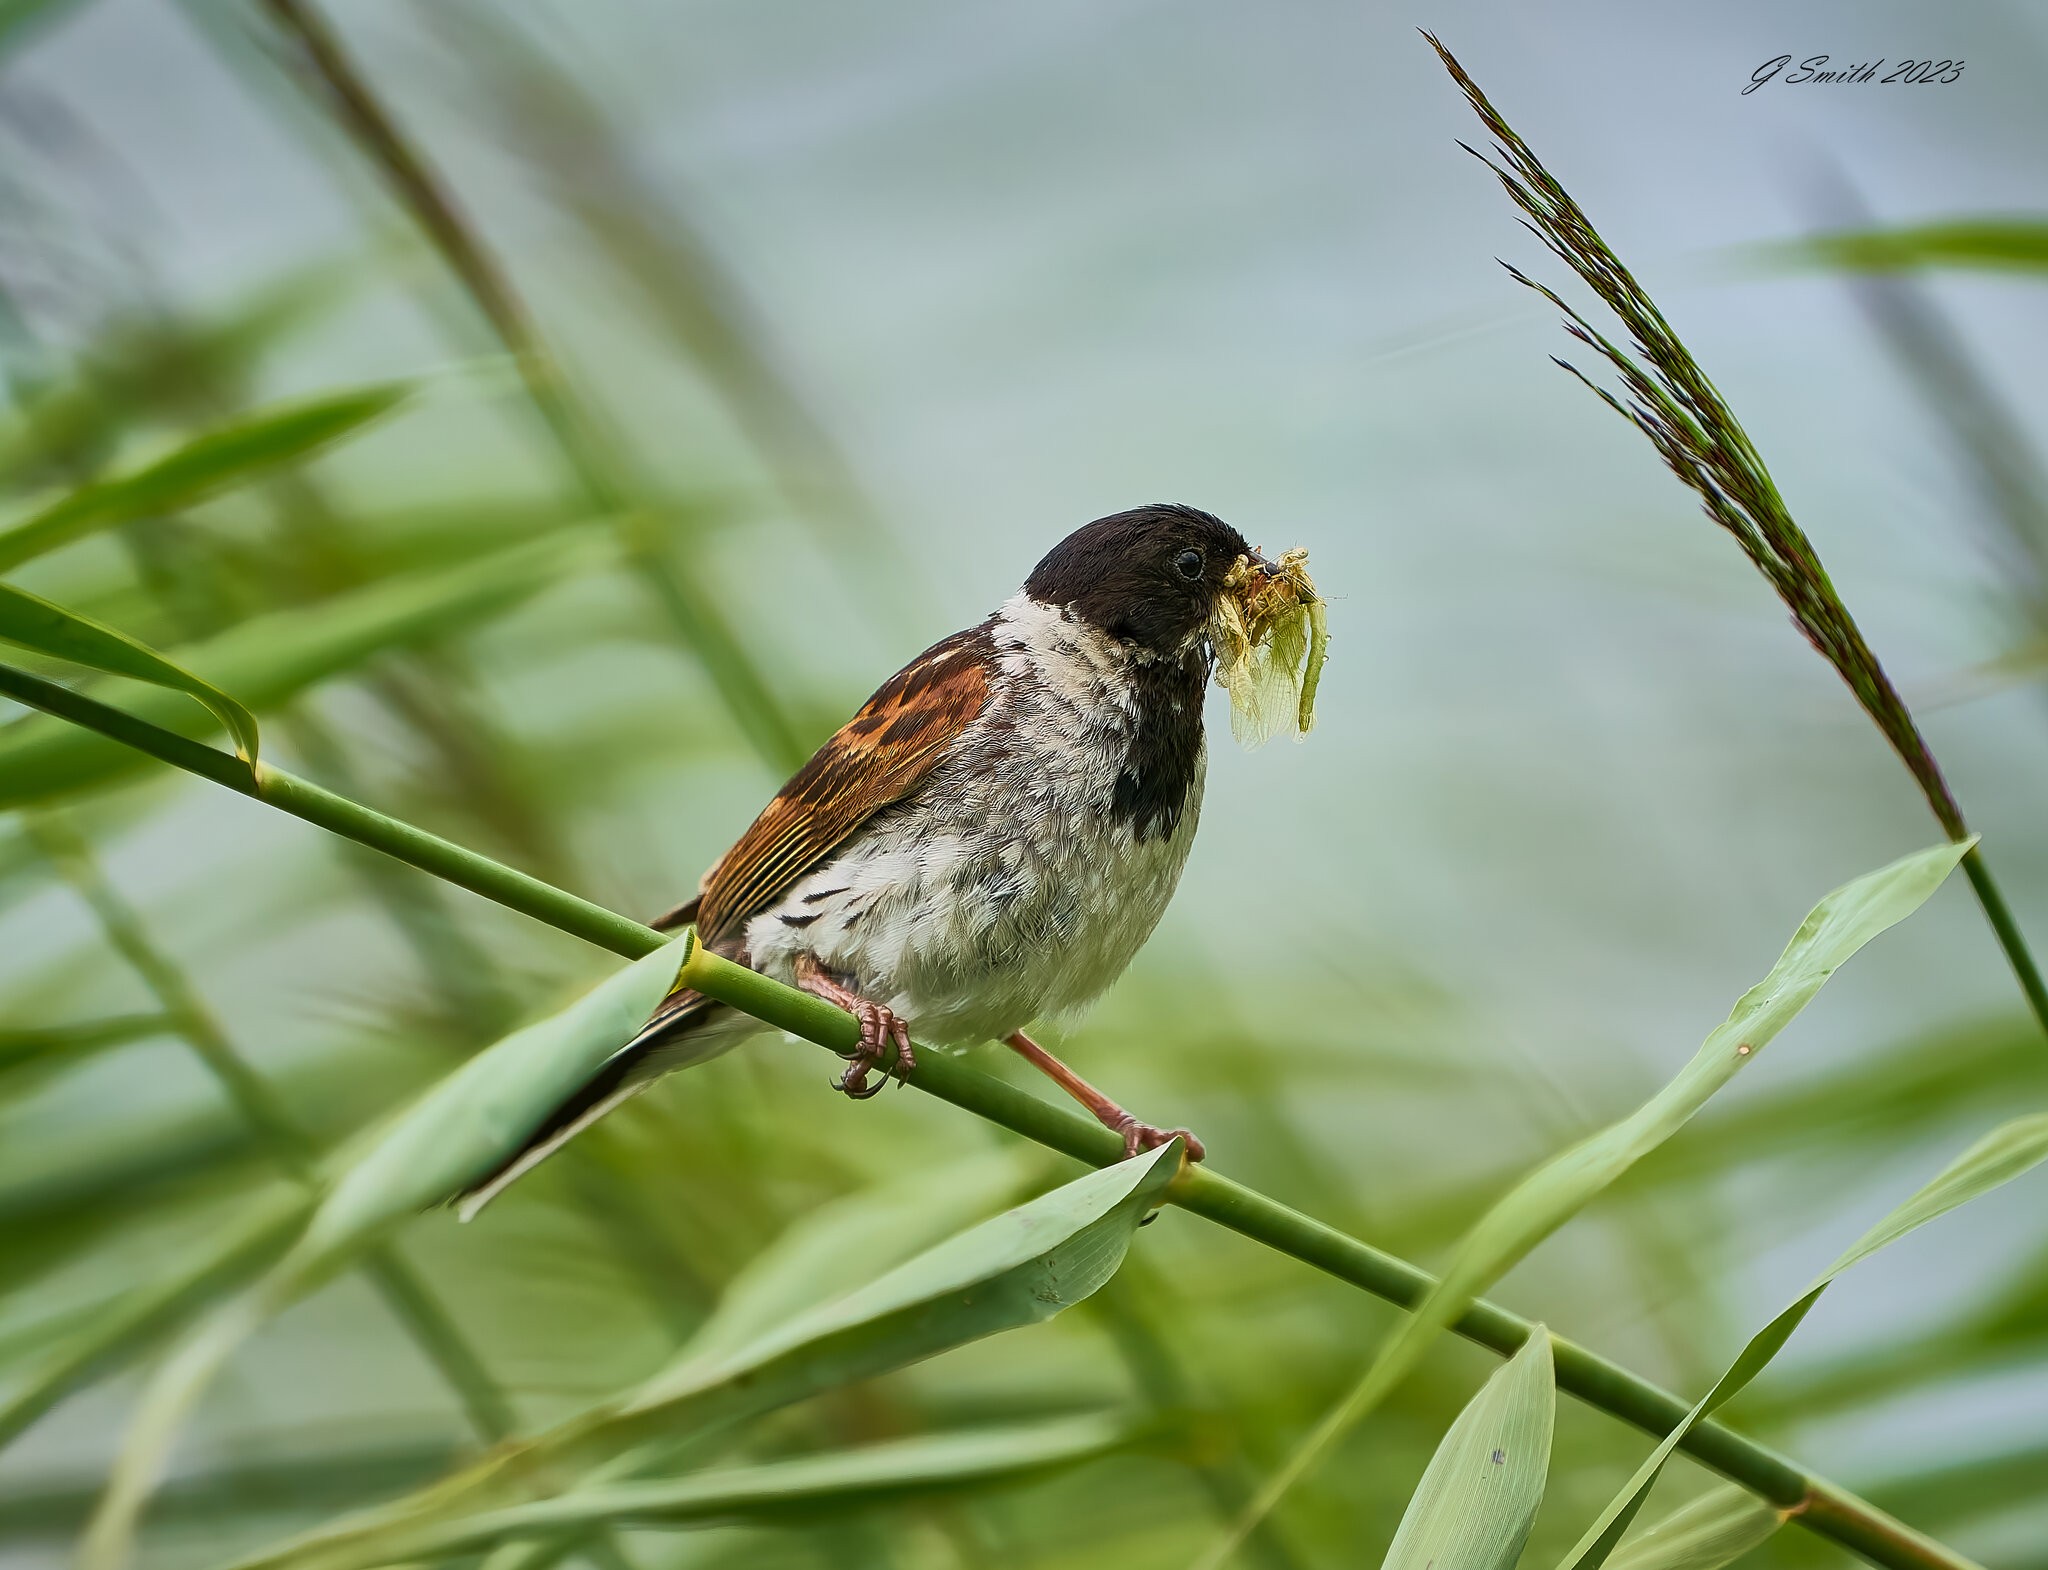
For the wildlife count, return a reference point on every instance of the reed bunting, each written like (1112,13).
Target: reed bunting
(993,836)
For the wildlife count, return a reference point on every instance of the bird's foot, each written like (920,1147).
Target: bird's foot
(884,1037)
(1144,1136)
(884,1048)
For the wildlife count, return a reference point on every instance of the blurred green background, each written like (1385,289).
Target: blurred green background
(858,310)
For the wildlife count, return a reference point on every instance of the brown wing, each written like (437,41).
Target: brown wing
(879,756)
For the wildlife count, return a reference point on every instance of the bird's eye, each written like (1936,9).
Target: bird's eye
(1189,565)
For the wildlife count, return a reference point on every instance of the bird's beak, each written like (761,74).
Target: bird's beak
(1270,569)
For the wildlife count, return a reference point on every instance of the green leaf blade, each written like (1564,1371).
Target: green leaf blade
(1016,1269)
(274,658)
(837,1248)
(810,1487)
(35,623)
(1991,244)
(472,1119)
(229,455)
(1477,1500)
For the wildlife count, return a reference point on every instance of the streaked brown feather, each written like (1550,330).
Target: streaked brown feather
(876,758)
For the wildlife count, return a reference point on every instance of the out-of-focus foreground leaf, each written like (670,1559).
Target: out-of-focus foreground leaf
(275,1485)
(780,1492)
(841,1245)
(2016,244)
(229,455)
(21,20)
(128,1328)
(1016,1269)
(1478,1498)
(451,1136)
(273,658)
(832,1251)
(34,623)
(67,1044)
(161,371)
(2000,1156)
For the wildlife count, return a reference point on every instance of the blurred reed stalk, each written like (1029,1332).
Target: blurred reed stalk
(1815,1503)
(171,562)
(1671,401)
(1162,1379)
(638,230)
(293,1149)
(317,60)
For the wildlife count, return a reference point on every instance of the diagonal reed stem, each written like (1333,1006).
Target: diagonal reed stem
(411,1302)
(1815,1503)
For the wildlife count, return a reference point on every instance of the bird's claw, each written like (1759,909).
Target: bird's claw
(1144,1136)
(884,1048)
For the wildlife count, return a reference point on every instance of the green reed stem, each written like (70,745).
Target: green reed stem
(2017,954)
(295,1150)
(1817,1504)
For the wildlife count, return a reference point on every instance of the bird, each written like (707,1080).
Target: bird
(987,842)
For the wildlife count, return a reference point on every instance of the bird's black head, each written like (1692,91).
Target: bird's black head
(1149,576)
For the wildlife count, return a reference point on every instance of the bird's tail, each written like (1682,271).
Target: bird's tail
(687,1029)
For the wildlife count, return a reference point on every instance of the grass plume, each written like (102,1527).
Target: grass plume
(1670,400)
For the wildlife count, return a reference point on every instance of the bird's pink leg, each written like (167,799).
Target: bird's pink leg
(884,1038)
(1136,1136)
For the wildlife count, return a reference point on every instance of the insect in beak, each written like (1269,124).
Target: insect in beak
(1269,636)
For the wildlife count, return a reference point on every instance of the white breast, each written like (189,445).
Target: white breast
(1007,888)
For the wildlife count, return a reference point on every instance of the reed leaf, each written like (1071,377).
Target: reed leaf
(1986,244)
(161,370)
(839,1246)
(1020,1267)
(1478,1498)
(1715,1529)
(273,658)
(34,623)
(323,65)
(227,1497)
(1556,1191)
(825,1255)
(2007,1152)
(780,1493)
(471,1120)
(232,454)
